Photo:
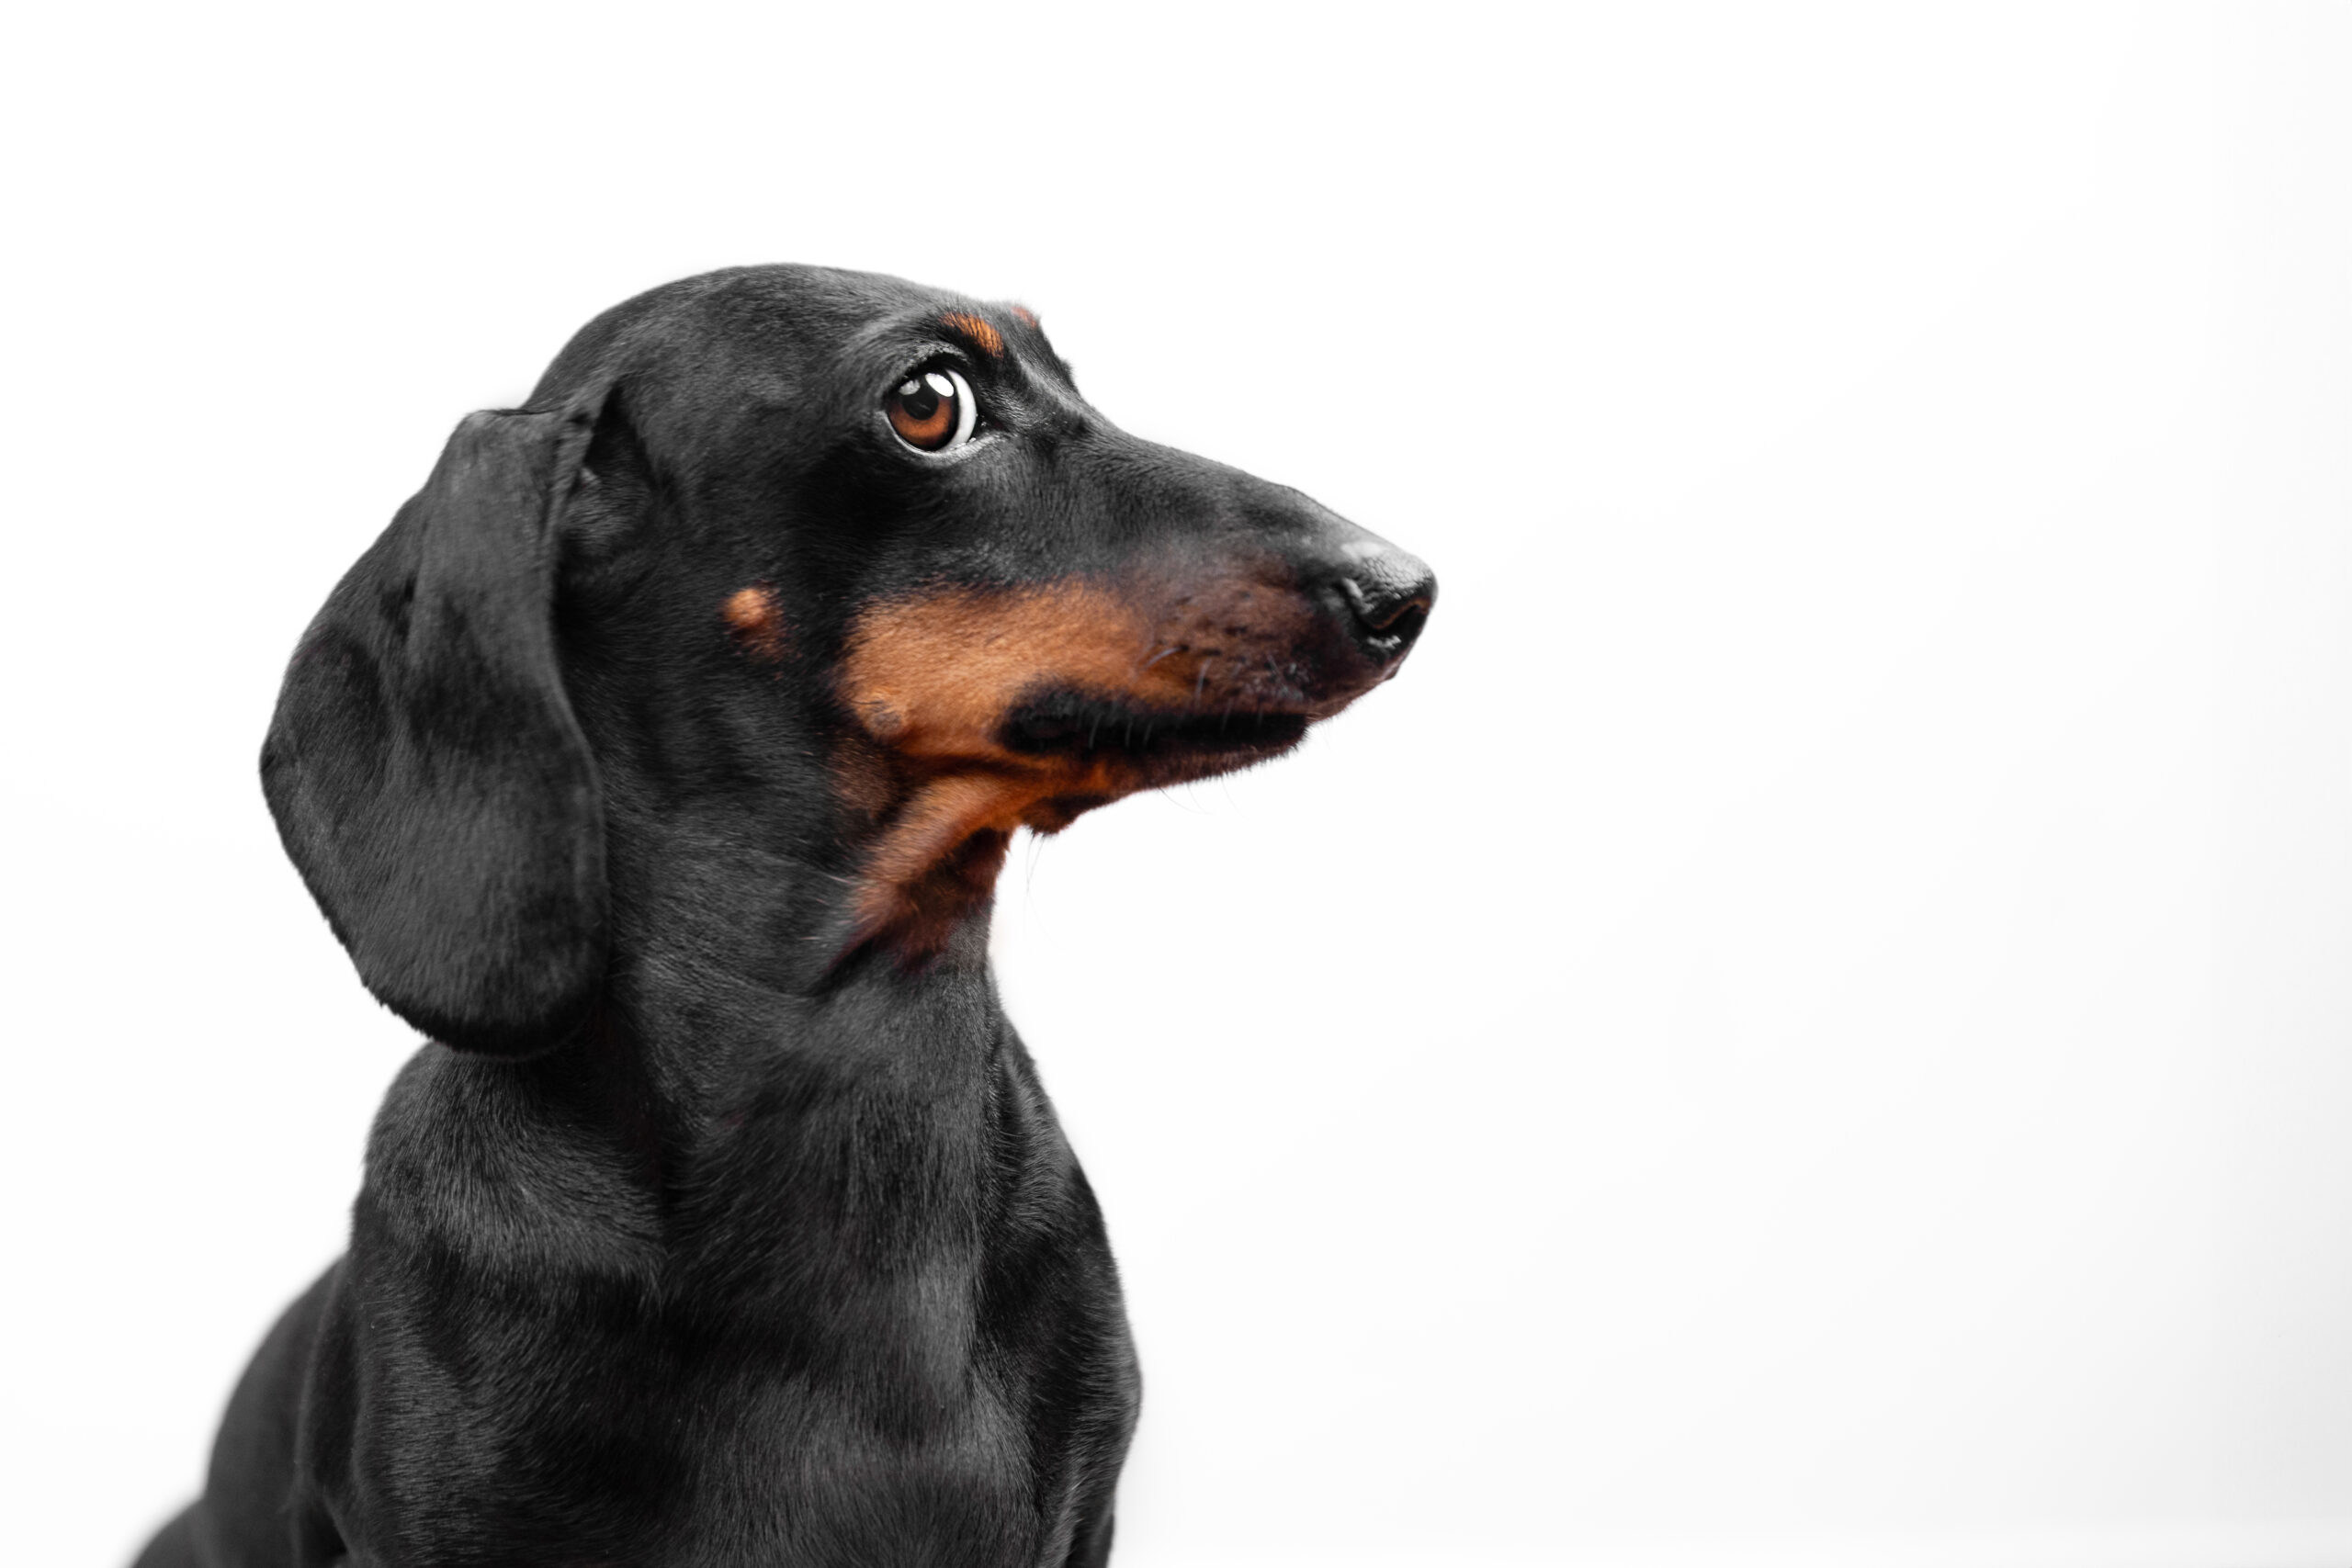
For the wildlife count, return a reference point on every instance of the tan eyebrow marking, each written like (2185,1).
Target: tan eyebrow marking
(1028,317)
(985,337)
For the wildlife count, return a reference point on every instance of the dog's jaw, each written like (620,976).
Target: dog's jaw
(993,710)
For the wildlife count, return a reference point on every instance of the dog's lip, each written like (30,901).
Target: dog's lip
(1084,726)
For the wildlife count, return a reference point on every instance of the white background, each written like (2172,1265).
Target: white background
(1812,1025)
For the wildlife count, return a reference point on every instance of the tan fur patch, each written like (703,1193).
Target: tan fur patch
(1027,317)
(757,620)
(932,679)
(933,676)
(983,336)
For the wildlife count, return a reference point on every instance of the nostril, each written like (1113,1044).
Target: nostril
(1406,625)
(1390,597)
(1380,611)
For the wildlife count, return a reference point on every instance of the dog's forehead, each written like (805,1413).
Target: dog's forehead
(798,311)
(777,334)
(826,349)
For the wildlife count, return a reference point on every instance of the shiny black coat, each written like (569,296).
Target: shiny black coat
(727,1223)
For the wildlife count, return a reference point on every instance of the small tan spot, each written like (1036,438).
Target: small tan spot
(984,337)
(757,621)
(1027,317)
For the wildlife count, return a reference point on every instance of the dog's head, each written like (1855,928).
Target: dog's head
(821,570)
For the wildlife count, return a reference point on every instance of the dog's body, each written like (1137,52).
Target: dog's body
(658,761)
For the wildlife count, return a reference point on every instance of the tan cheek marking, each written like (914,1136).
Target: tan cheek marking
(756,619)
(930,681)
(934,677)
(981,333)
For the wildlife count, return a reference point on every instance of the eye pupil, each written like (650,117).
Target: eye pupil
(920,399)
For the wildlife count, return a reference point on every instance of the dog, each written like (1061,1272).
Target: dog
(657,764)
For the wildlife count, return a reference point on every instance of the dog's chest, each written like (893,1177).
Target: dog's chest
(926,1414)
(659,1465)
(919,1360)
(811,1481)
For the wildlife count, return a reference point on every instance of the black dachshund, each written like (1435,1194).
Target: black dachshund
(658,762)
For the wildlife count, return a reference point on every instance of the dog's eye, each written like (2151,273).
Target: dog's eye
(932,410)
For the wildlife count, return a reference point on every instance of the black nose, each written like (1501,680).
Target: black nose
(1389,595)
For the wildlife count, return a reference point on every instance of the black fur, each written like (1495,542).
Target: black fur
(728,1224)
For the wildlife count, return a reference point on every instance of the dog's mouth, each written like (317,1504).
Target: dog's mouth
(1084,727)
(1108,747)
(1009,709)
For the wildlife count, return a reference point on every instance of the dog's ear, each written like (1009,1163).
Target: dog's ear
(429,779)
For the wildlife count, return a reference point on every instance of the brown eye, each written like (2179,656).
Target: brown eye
(931,409)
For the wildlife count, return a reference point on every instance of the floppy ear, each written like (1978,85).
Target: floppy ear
(427,774)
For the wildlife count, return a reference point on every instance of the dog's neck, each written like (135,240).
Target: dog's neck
(729,980)
(735,1112)
(736,987)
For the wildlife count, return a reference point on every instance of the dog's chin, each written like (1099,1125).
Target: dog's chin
(1054,756)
